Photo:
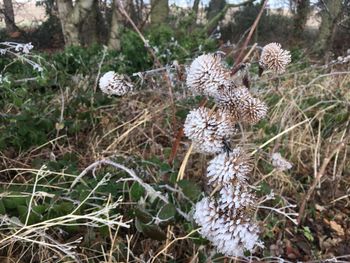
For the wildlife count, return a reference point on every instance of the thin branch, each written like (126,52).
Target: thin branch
(245,44)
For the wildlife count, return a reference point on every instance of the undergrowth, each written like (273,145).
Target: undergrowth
(56,124)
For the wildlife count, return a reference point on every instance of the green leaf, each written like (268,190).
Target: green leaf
(182,114)
(40,209)
(22,214)
(143,215)
(307,233)
(136,191)
(167,212)
(190,189)
(152,231)
(13,202)
(2,208)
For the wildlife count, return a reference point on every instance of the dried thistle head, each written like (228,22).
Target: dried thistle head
(208,129)
(230,229)
(112,83)
(274,58)
(253,110)
(206,74)
(229,99)
(241,105)
(226,168)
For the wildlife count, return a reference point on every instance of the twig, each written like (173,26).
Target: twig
(279,135)
(151,51)
(245,44)
(173,241)
(327,75)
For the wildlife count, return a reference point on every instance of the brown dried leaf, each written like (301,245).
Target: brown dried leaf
(337,228)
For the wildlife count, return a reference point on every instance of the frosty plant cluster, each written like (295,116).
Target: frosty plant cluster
(20,51)
(227,220)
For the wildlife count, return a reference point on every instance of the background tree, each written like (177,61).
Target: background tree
(300,18)
(72,18)
(331,11)
(9,16)
(115,28)
(159,11)
(215,7)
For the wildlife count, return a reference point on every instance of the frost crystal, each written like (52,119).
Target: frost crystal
(208,130)
(225,168)
(112,83)
(280,163)
(206,74)
(230,230)
(253,110)
(275,58)
(235,198)
(240,104)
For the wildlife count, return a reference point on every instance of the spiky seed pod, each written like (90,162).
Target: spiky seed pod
(208,130)
(230,98)
(236,197)
(112,83)
(275,58)
(252,110)
(240,105)
(226,168)
(231,233)
(206,74)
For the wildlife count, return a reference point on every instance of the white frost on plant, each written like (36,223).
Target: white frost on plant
(280,163)
(235,197)
(274,58)
(208,130)
(225,168)
(241,105)
(232,233)
(112,83)
(206,75)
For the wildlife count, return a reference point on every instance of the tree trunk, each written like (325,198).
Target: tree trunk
(214,8)
(9,16)
(330,15)
(72,17)
(300,18)
(88,30)
(114,35)
(195,6)
(159,12)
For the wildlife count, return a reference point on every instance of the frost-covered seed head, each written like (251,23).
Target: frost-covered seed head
(208,130)
(241,105)
(236,198)
(253,110)
(226,168)
(221,228)
(112,83)
(206,74)
(275,58)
